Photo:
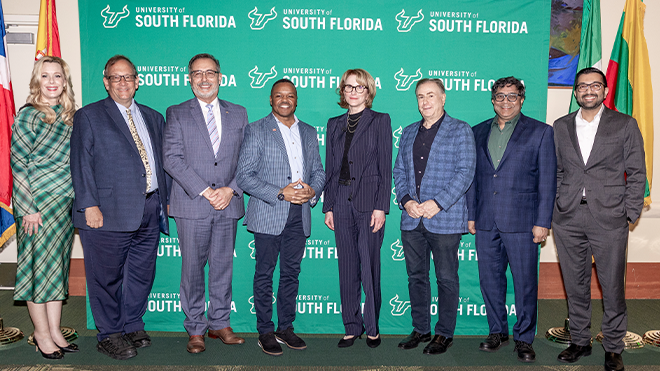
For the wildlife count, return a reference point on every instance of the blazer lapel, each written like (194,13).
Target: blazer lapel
(515,138)
(200,122)
(572,133)
(482,145)
(118,119)
(274,130)
(150,128)
(411,163)
(601,133)
(305,141)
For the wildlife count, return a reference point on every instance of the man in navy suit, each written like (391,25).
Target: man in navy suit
(202,139)
(510,207)
(280,168)
(121,193)
(432,172)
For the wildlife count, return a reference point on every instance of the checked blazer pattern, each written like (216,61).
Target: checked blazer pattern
(448,175)
(263,169)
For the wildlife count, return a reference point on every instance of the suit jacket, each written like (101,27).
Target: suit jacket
(618,151)
(107,170)
(520,194)
(370,160)
(263,169)
(189,158)
(449,172)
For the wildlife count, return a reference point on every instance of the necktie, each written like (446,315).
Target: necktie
(213,129)
(140,147)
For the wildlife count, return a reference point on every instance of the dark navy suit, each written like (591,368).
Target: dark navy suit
(120,256)
(358,248)
(506,204)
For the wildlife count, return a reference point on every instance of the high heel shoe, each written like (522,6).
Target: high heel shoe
(347,342)
(373,343)
(71,348)
(58,354)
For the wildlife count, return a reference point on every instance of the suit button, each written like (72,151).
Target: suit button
(495,192)
(212,184)
(142,174)
(494,175)
(353,178)
(215,164)
(350,162)
(288,177)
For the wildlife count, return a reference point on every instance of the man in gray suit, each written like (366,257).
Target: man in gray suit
(280,168)
(201,144)
(601,176)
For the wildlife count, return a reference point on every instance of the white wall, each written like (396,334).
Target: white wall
(644,245)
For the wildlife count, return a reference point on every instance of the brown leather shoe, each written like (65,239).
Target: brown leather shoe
(226,335)
(196,344)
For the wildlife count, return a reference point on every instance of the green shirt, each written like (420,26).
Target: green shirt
(500,138)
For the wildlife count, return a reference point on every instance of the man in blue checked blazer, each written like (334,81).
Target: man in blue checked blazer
(202,139)
(510,207)
(432,172)
(280,168)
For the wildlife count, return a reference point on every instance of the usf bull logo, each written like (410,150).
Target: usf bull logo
(397,135)
(404,82)
(399,307)
(111,19)
(251,302)
(397,247)
(260,20)
(251,246)
(407,22)
(259,79)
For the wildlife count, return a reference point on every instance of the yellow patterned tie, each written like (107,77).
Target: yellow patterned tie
(140,147)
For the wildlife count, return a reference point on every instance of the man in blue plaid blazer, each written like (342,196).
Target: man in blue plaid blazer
(432,172)
(280,168)
(510,204)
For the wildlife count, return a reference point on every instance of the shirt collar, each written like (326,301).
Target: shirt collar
(435,124)
(204,104)
(123,108)
(512,122)
(596,120)
(295,121)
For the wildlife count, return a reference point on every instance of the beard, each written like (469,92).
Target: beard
(198,92)
(589,105)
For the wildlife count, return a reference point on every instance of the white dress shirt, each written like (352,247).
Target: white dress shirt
(293,146)
(586,134)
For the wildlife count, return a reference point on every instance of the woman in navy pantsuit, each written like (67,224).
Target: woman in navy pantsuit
(356,198)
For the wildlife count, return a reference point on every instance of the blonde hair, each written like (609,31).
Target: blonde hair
(67,99)
(363,78)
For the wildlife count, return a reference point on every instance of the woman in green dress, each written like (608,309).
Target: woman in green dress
(42,201)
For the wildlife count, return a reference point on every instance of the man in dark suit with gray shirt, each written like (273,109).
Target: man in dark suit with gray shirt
(202,139)
(601,176)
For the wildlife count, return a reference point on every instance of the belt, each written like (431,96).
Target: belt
(151,193)
(344,182)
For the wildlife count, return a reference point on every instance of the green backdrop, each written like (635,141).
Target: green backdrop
(469,44)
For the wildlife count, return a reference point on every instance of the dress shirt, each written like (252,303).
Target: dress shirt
(586,134)
(216,115)
(421,150)
(499,138)
(293,144)
(143,133)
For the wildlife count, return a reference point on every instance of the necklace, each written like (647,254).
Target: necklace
(350,125)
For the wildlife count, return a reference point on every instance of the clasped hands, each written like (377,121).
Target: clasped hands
(219,198)
(298,192)
(426,209)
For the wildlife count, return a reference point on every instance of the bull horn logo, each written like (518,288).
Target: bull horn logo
(397,247)
(399,307)
(397,135)
(251,302)
(407,22)
(404,82)
(111,19)
(259,79)
(260,20)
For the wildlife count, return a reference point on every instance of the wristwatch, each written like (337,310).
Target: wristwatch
(280,196)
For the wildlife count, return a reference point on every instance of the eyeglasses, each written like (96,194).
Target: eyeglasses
(118,78)
(358,89)
(511,97)
(595,87)
(208,73)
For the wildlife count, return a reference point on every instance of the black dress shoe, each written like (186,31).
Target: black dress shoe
(413,340)
(613,361)
(71,348)
(58,354)
(347,342)
(291,340)
(438,345)
(139,339)
(117,347)
(269,344)
(525,352)
(373,343)
(573,353)
(494,342)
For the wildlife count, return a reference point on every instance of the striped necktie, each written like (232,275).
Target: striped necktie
(213,129)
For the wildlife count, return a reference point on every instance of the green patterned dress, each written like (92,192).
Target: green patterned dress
(42,183)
